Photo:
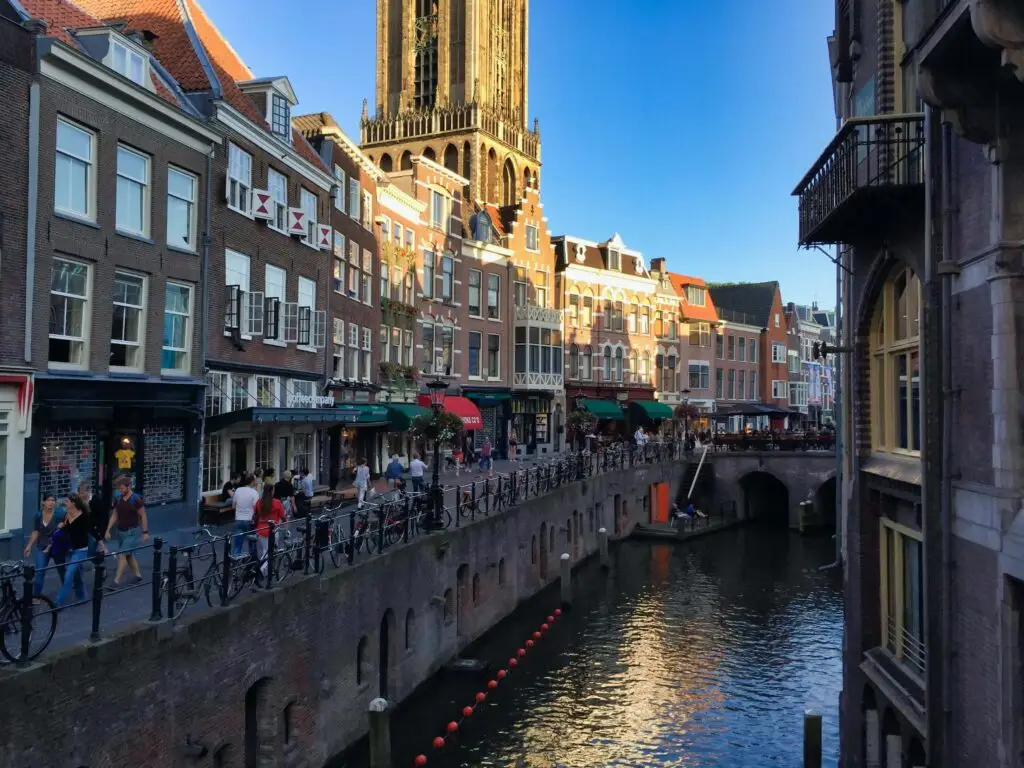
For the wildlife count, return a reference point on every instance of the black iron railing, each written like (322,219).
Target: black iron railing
(868,152)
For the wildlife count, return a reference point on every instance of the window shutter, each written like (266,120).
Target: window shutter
(254,314)
(233,308)
(291,321)
(305,326)
(271,318)
(320,329)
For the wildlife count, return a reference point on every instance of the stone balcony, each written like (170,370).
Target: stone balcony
(870,176)
(539,317)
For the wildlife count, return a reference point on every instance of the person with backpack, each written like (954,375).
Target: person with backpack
(128,523)
(71,540)
(44,526)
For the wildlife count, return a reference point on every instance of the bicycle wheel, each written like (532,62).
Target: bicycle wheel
(370,538)
(44,624)
(185,592)
(242,576)
(283,566)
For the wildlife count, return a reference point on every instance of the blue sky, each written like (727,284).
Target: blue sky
(681,124)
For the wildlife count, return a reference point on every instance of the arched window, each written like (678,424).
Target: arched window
(645,367)
(586,364)
(574,362)
(587,311)
(618,364)
(645,320)
(631,322)
(634,370)
(607,363)
(670,374)
(896,365)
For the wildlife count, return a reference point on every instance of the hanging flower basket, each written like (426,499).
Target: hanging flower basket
(439,426)
(686,411)
(389,371)
(581,422)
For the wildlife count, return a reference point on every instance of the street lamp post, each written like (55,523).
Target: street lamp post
(438,390)
(686,418)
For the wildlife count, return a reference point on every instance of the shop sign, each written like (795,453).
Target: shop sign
(310,401)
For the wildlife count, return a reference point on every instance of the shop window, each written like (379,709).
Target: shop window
(896,365)
(302,450)
(213,463)
(902,587)
(69,457)
(163,467)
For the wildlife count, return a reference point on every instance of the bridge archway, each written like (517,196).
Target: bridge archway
(765,498)
(825,502)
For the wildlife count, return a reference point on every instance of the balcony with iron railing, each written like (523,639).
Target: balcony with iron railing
(424,123)
(869,176)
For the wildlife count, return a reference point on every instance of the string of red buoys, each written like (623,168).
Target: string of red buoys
(492,685)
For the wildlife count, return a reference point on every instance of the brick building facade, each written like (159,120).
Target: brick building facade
(934,545)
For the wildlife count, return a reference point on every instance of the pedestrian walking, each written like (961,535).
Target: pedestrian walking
(362,481)
(73,533)
(245,500)
(270,510)
(45,524)
(128,525)
(284,491)
(416,470)
(394,472)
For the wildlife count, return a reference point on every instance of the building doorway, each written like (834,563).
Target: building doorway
(240,455)
(282,456)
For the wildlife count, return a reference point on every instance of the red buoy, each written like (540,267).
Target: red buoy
(492,684)
(521,652)
(536,635)
(558,611)
(467,711)
(453,727)
(480,697)
(501,674)
(439,742)
(545,627)
(513,662)
(529,643)
(420,760)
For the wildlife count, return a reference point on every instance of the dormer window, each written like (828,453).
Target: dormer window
(281,116)
(614,260)
(127,62)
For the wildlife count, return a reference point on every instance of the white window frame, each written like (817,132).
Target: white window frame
(366,214)
(130,56)
(338,348)
(479,356)
(487,298)
(780,389)
(186,350)
(309,203)
(143,185)
(339,198)
(140,345)
(190,203)
(90,170)
(273,97)
(233,276)
(354,198)
(277,186)
(779,352)
(437,209)
(532,243)
(486,359)
(86,300)
(239,180)
(479,288)
(275,286)
(306,298)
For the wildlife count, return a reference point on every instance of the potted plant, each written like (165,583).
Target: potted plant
(581,423)
(440,427)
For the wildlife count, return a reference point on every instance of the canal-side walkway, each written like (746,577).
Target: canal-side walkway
(382,525)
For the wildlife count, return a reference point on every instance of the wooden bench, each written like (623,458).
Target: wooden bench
(211,515)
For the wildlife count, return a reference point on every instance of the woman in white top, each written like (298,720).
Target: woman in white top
(244,501)
(362,481)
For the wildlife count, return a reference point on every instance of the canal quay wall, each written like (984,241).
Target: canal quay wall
(285,677)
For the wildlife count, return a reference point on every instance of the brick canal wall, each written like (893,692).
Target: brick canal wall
(288,675)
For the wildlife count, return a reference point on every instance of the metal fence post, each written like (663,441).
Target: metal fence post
(380,528)
(487,496)
(27,593)
(99,572)
(408,519)
(172,572)
(271,552)
(158,546)
(472,509)
(226,575)
(319,542)
(458,504)
(351,537)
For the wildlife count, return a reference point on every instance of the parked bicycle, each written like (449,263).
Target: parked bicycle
(43,618)
(187,589)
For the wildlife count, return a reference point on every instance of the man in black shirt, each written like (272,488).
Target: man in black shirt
(228,491)
(284,489)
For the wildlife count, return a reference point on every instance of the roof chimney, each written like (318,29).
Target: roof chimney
(657,265)
(35,26)
(791,307)
(814,306)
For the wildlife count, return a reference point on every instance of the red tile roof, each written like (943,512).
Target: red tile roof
(60,17)
(174,48)
(497,220)
(707,313)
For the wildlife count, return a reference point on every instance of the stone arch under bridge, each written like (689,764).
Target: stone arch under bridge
(770,485)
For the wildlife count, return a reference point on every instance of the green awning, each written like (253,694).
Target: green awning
(400,415)
(651,409)
(603,409)
(362,415)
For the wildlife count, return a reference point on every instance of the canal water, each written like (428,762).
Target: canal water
(701,654)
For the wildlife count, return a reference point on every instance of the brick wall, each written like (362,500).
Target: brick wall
(15,64)
(773,371)
(98,245)
(224,664)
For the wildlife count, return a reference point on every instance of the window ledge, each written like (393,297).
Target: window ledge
(76,218)
(240,212)
(133,236)
(494,319)
(126,373)
(185,251)
(174,373)
(305,348)
(275,343)
(69,369)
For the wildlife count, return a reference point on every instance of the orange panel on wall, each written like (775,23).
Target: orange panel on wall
(659,502)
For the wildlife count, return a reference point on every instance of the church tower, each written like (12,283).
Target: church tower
(452,86)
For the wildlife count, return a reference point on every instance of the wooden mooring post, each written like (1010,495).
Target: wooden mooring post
(812,739)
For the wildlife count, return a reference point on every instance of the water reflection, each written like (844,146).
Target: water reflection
(705,654)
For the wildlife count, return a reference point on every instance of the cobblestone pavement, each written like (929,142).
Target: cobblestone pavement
(134,603)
